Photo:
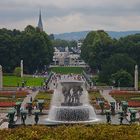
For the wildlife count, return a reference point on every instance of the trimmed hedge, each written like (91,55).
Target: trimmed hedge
(75,132)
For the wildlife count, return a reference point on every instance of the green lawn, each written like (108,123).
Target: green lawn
(46,96)
(67,70)
(13,81)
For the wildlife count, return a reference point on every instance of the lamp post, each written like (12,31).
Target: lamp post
(119,84)
(21,66)
(136,78)
(1,78)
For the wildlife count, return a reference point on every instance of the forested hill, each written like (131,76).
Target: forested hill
(82,34)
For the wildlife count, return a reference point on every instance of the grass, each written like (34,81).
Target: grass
(11,99)
(67,70)
(46,96)
(10,81)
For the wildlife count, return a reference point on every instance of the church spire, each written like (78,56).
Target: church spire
(40,25)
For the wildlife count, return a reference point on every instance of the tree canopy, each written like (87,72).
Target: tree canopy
(96,47)
(108,56)
(31,45)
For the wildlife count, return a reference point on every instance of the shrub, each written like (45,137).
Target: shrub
(17,71)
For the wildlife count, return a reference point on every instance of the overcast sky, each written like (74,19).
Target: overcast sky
(71,15)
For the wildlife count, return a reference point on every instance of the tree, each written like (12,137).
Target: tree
(96,47)
(31,45)
(8,53)
(122,79)
(72,44)
(51,37)
(59,43)
(36,50)
(17,71)
(114,64)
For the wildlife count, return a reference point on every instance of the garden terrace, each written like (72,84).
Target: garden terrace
(46,96)
(67,70)
(16,94)
(95,97)
(9,98)
(132,97)
(7,104)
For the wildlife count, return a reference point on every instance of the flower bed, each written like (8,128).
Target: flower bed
(125,93)
(134,103)
(132,97)
(7,104)
(17,94)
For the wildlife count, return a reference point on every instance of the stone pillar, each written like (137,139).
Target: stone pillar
(1,78)
(21,66)
(136,78)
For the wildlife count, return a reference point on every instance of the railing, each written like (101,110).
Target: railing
(83,65)
(49,78)
(87,79)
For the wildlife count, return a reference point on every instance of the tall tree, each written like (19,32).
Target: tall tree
(115,63)
(31,45)
(36,50)
(96,47)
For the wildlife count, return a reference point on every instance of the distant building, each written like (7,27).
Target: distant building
(79,44)
(64,57)
(40,25)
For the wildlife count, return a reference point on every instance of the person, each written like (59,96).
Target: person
(108,117)
(35,107)
(21,109)
(31,99)
(139,116)
(36,118)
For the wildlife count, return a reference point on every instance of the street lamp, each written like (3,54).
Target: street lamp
(118,84)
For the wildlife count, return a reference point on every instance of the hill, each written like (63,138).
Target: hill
(82,34)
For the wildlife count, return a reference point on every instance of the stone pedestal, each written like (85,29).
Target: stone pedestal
(136,78)
(1,78)
(21,66)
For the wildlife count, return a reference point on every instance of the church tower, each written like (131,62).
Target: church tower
(40,25)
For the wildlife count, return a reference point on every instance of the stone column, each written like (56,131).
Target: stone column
(1,78)
(136,78)
(21,66)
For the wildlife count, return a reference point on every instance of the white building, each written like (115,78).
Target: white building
(65,58)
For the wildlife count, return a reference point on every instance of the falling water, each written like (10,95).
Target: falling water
(70,103)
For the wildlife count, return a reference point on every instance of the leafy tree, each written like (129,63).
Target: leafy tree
(17,71)
(130,45)
(122,79)
(72,43)
(59,43)
(31,45)
(96,48)
(114,64)
(64,43)
(51,37)
(8,47)
(36,50)
(30,29)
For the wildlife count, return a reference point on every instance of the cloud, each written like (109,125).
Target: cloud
(71,15)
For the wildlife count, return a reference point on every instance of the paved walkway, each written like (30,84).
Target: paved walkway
(105,94)
(28,98)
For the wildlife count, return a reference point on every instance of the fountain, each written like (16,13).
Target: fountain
(70,104)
